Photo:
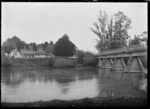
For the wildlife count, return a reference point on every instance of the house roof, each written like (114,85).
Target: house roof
(40,51)
(15,50)
(27,52)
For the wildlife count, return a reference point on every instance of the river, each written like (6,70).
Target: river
(34,84)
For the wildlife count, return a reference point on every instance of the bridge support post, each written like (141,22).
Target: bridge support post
(104,63)
(127,69)
(108,63)
(119,64)
(123,63)
(100,63)
(134,65)
(141,65)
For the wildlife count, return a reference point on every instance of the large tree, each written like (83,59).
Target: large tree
(19,44)
(12,43)
(64,47)
(111,30)
(8,46)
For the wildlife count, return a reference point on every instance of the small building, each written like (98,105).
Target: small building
(15,53)
(40,53)
(27,54)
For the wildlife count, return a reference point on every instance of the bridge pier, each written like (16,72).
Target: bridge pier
(101,63)
(118,64)
(108,63)
(135,65)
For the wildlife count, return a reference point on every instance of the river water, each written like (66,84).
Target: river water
(34,84)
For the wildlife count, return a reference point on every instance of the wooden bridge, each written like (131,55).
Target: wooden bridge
(128,59)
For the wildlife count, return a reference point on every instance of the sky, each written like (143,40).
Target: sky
(40,22)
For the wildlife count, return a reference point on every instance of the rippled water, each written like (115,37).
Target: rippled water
(34,84)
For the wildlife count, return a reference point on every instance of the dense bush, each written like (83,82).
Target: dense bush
(116,44)
(51,61)
(90,61)
(80,55)
(6,62)
(86,58)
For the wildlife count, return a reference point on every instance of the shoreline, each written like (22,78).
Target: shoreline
(75,67)
(136,101)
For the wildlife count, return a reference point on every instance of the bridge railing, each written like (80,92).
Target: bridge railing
(125,49)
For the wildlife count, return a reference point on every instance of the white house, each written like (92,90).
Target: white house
(15,53)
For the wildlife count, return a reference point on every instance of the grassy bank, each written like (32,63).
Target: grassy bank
(44,62)
(139,102)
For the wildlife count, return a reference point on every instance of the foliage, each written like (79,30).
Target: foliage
(13,43)
(19,44)
(45,45)
(90,61)
(32,46)
(115,44)
(80,56)
(8,46)
(86,58)
(138,39)
(135,41)
(6,62)
(64,62)
(64,47)
(51,61)
(51,43)
(50,48)
(112,28)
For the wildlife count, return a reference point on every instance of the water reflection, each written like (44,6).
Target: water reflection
(119,83)
(32,84)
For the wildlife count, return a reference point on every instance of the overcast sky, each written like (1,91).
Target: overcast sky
(40,22)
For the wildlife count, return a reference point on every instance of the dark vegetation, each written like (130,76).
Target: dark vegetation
(86,58)
(123,102)
(5,60)
(64,47)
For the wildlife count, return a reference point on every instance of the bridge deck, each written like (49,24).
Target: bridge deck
(125,52)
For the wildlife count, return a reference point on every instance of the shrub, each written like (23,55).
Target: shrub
(51,61)
(6,62)
(64,62)
(82,54)
(90,61)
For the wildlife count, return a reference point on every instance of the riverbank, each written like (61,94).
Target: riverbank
(55,62)
(125,102)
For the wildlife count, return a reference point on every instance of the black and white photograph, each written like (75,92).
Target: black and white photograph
(80,54)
